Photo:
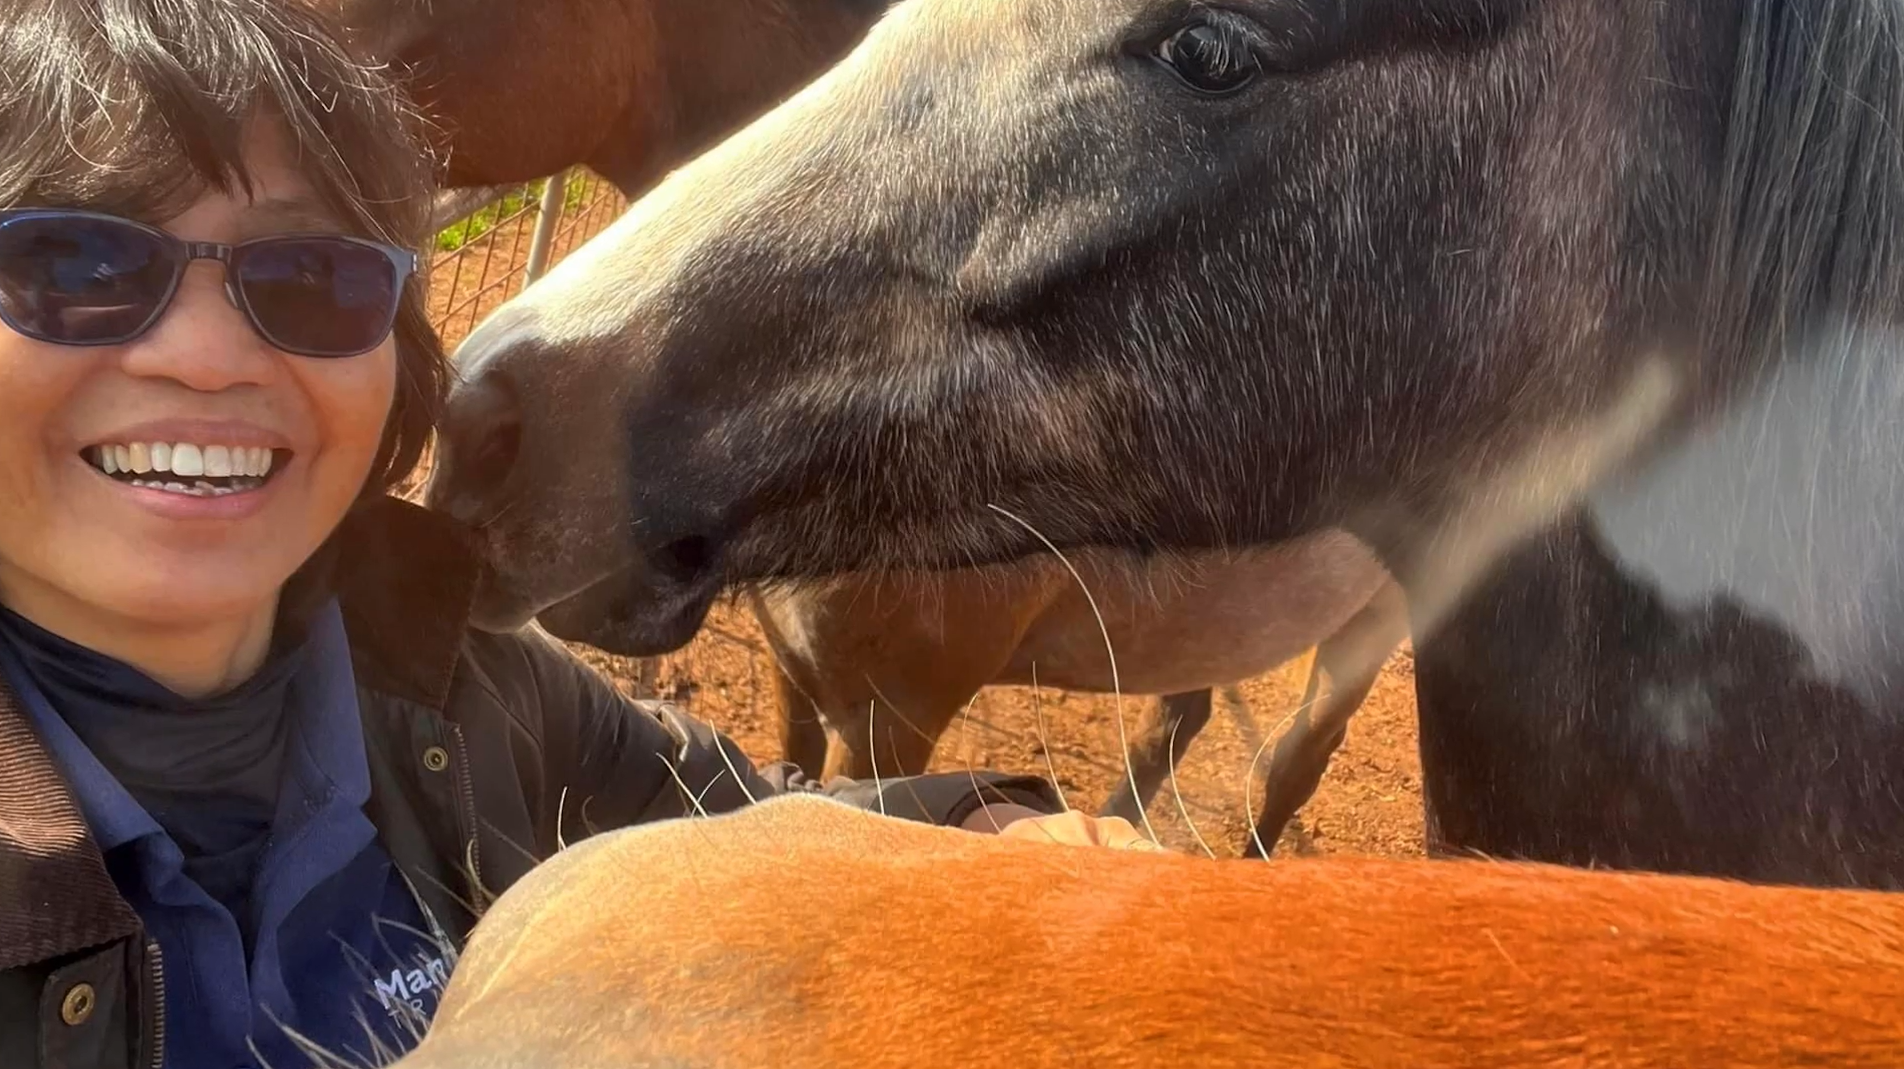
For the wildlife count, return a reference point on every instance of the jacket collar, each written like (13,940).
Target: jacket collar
(55,895)
(406,578)
(406,581)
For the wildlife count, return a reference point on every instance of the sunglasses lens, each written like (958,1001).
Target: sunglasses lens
(80,281)
(319,296)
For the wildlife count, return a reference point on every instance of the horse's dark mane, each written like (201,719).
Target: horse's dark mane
(1809,236)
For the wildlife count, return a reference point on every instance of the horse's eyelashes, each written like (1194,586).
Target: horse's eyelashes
(1218,52)
(1211,57)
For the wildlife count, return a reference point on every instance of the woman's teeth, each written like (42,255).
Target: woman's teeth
(196,470)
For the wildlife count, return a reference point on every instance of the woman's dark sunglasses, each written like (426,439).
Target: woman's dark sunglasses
(79,278)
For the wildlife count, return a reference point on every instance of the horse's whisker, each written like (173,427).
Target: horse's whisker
(1117,690)
(1044,740)
(1182,810)
(1249,774)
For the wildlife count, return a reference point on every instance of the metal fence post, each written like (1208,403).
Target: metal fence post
(547,215)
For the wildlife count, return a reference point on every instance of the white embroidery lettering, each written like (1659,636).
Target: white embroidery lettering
(405,989)
(394,990)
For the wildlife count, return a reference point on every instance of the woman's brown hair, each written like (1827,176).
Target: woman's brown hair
(137,107)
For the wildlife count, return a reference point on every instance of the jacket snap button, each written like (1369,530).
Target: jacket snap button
(78,1004)
(436,759)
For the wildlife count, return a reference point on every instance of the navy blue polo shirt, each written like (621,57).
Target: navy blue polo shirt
(313,941)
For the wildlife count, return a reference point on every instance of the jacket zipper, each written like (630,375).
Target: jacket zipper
(155,970)
(467,795)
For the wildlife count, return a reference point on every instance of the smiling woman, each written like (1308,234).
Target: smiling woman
(254,762)
(177,565)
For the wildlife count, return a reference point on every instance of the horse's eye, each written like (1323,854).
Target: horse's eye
(1211,56)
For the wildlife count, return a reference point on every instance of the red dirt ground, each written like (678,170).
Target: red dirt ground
(1369,802)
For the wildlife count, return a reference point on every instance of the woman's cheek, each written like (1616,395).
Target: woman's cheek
(352,400)
(37,388)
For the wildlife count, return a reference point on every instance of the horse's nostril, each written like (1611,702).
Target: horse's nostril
(685,559)
(482,444)
(493,457)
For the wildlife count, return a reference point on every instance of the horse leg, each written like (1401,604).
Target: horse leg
(803,738)
(1353,658)
(891,742)
(1302,756)
(1162,738)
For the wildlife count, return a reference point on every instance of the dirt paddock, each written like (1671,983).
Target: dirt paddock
(1369,802)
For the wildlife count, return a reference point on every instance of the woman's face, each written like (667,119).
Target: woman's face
(205,393)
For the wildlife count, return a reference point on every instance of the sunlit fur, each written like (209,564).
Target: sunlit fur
(804,934)
(888,662)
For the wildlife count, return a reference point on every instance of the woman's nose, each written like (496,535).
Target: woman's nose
(202,340)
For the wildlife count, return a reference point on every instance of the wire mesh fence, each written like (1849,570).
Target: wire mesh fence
(492,243)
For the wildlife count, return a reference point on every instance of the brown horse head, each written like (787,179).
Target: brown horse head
(1138,273)
(524,88)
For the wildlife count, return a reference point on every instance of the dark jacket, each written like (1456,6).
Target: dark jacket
(486,753)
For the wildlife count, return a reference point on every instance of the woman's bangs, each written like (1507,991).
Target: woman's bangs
(135,116)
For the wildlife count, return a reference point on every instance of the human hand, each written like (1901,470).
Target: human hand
(1072,828)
